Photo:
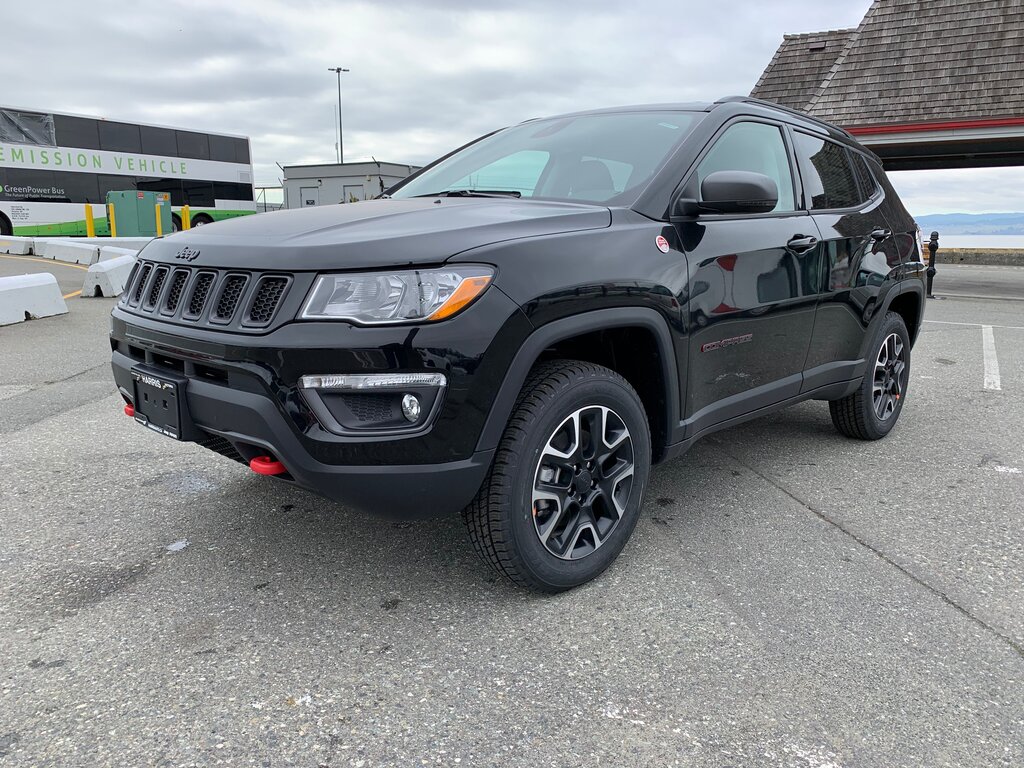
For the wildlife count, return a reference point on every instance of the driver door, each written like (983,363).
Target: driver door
(753,288)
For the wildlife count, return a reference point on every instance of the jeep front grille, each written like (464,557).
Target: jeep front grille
(221,298)
(230,292)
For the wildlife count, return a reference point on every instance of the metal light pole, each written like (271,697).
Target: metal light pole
(341,146)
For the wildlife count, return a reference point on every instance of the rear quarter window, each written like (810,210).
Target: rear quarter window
(828,177)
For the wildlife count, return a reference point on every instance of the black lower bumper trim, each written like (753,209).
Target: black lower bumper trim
(248,423)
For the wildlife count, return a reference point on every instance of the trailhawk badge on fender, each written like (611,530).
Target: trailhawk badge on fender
(713,345)
(662,244)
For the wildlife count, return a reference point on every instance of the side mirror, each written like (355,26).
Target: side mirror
(738,192)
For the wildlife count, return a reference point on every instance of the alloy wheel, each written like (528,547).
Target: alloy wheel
(887,388)
(583,482)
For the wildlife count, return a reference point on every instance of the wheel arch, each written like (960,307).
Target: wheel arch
(6,227)
(633,341)
(909,304)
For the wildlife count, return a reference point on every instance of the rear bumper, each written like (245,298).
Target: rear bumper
(254,426)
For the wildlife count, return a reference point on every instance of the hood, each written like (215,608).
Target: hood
(372,234)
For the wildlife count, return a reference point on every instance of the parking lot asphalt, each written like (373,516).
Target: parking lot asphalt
(789,598)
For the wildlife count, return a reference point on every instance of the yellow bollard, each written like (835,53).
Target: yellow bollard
(90,225)
(113,223)
(186,217)
(159,223)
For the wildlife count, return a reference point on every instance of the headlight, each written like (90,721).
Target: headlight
(396,297)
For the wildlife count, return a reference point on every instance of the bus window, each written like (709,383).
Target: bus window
(78,187)
(159,141)
(222,148)
(241,151)
(198,193)
(79,132)
(19,127)
(223,190)
(193,145)
(120,137)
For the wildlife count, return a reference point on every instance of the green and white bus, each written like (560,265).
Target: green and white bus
(52,165)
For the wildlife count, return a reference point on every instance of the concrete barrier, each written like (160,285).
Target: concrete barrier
(27,297)
(131,243)
(108,278)
(15,245)
(67,250)
(108,252)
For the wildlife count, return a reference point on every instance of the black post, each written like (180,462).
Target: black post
(933,246)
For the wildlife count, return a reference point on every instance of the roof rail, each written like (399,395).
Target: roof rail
(781,108)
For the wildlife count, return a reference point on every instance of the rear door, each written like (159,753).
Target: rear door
(861,258)
(752,288)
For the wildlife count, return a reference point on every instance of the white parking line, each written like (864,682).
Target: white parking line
(977,325)
(988,344)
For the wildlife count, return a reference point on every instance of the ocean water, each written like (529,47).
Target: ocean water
(978,241)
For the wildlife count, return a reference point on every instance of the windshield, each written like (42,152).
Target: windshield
(603,158)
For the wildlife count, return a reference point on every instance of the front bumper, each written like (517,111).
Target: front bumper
(243,397)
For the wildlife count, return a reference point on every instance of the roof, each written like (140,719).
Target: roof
(908,61)
(799,66)
(359,168)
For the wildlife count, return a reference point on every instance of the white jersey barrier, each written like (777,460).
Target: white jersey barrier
(108,277)
(67,250)
(27,297)
(15,245)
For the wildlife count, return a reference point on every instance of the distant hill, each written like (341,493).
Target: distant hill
(972,223)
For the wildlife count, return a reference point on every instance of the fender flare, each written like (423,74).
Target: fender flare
(565,328)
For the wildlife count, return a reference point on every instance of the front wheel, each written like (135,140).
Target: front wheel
(871,412)
(564,492)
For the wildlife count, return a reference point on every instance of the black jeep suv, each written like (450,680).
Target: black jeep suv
(521,329)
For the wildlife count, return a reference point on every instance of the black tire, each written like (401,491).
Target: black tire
(505,518)
(201,220)
(5,226)
(175,223)
(866,414)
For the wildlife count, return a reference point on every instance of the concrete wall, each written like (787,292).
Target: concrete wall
(998,257)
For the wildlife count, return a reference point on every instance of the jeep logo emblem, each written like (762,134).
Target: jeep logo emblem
(187,254)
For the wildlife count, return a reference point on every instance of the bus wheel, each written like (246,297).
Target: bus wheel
(201,220)
(175,223)
(5,226)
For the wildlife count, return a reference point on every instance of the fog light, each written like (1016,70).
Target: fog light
(411,407)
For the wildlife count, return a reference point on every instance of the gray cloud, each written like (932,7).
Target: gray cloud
(426,76)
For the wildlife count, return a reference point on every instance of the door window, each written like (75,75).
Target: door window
(829,181)
(868,183)
(755,147)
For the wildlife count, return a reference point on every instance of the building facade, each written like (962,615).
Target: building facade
(332,183)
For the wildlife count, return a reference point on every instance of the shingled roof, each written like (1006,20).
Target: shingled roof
(909,61)
(799,67)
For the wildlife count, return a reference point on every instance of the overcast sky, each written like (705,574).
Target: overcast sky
(425,76)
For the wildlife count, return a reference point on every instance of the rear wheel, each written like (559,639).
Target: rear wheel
(5,226)
(175,222)
(201,220)
(871,412)
(565,489)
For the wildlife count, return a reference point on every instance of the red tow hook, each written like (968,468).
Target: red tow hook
(266,465)
(129,409)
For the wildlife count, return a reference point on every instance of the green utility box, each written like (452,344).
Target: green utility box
(135,213)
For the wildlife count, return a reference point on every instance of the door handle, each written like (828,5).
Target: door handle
(801,244)
(881,233)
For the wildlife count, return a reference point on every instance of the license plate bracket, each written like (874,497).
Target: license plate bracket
(160,403)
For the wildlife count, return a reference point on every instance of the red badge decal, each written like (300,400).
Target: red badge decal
(662,244)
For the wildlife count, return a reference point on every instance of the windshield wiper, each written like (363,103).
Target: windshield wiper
(474,193)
